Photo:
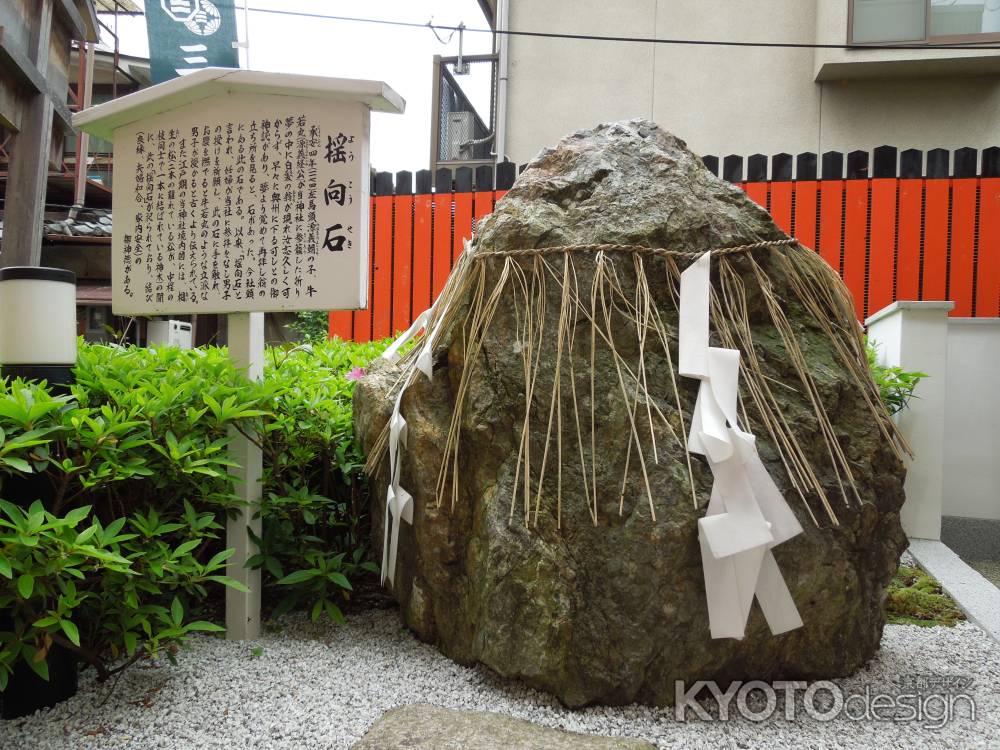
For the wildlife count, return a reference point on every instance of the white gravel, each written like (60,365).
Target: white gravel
(321,686)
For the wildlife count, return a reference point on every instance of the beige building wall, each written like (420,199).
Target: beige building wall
(740,100)
(556,86)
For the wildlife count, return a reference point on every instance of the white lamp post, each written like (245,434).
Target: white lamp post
(37,342)
(38,323)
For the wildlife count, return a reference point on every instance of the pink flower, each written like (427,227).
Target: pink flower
(356,374)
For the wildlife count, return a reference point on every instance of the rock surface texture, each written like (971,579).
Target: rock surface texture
(423,727)
(614,611)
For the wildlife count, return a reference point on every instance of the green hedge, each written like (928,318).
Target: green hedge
(128,545)
(125,550)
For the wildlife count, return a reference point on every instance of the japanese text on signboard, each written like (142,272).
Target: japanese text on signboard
(238,214)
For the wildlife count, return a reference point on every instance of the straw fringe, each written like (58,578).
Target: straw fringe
(467,306)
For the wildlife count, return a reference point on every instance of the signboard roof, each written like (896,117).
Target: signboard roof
(103,119)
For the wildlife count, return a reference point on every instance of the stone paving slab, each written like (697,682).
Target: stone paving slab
(976,596)
(424,727)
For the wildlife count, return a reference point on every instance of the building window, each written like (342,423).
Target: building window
(98,319)
(924,21)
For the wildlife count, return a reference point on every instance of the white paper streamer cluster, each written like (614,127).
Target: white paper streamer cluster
(399,502)
(747,515)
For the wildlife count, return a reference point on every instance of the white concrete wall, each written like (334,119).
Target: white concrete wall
(728,100)
(914,336)
(972,426)
(953,423)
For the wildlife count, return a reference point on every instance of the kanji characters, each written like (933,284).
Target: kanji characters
(336,149)
(335,241)
(336,192)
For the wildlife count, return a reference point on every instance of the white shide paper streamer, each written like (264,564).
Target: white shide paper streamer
(399,502)
(747,515)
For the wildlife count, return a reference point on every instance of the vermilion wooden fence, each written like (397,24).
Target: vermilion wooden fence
(901,230)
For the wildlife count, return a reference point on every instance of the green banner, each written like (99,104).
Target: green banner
(187,35)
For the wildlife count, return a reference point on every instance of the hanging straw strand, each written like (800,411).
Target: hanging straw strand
(476,289)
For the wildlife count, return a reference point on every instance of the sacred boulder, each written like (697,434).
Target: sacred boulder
(541,460)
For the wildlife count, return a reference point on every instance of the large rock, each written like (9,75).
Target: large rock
(615,612)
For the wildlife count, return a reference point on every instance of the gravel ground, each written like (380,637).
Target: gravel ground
(320,686)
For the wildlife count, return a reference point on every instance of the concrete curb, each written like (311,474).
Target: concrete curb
(976,596)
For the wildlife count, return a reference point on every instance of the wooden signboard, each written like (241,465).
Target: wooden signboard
(243,203)
(241,192)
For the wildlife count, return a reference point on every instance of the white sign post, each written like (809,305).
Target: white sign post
(238,192)
(246,349)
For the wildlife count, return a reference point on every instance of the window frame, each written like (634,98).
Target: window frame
(956,39)
(91,313)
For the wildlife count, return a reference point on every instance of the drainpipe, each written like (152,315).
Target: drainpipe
(83,140)
(503,16)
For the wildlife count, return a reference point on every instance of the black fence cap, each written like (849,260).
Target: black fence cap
(805,166)
(423,181)
(37,273)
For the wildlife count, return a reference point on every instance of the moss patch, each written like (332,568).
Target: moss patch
(914,598)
